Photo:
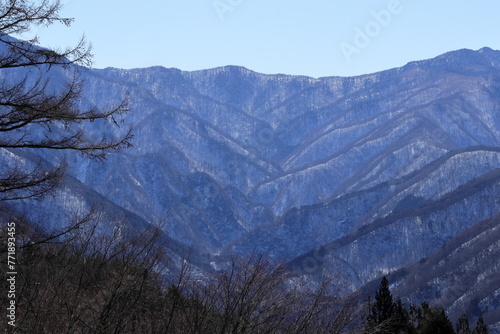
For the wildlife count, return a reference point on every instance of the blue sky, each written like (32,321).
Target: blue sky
(314,37)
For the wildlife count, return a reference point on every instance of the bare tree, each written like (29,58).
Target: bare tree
(258,296)
(37,113)
(95,282)
(91,282)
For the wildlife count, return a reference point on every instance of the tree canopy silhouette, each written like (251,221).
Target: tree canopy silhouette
(43,114)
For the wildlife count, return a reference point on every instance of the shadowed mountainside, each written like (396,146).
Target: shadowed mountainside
(359,176)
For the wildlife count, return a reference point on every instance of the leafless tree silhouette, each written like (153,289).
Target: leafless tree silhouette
(39,113)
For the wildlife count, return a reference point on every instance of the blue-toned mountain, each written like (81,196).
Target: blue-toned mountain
(357,176)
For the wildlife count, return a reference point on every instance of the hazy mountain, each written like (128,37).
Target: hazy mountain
(358,176)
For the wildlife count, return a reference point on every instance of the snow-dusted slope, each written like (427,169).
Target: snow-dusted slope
(381,170)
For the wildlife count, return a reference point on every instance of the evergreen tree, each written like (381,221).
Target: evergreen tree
(383,308)
(434,321)
(401,319)
(463,325)
(386,315)
(481,327)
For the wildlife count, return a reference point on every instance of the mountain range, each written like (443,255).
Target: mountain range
(393,173)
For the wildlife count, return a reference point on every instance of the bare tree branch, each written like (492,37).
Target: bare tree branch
(36,113)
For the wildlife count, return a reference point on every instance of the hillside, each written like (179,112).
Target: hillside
(357,176)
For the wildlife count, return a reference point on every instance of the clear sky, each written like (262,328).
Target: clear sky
(304,37)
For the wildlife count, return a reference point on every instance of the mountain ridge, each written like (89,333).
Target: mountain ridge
(464,52)
(234,162)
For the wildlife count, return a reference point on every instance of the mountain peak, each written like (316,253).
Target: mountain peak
(464,61)
(487,50)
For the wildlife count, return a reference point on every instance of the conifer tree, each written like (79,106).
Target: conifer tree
(401,319)
(481,327)
(434,321)
(463,325)
(383,308)
(385,315)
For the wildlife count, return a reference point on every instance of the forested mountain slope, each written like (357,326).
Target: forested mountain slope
(355,176)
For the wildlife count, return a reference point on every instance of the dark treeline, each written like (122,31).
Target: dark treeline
(386,315)
(88,282)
